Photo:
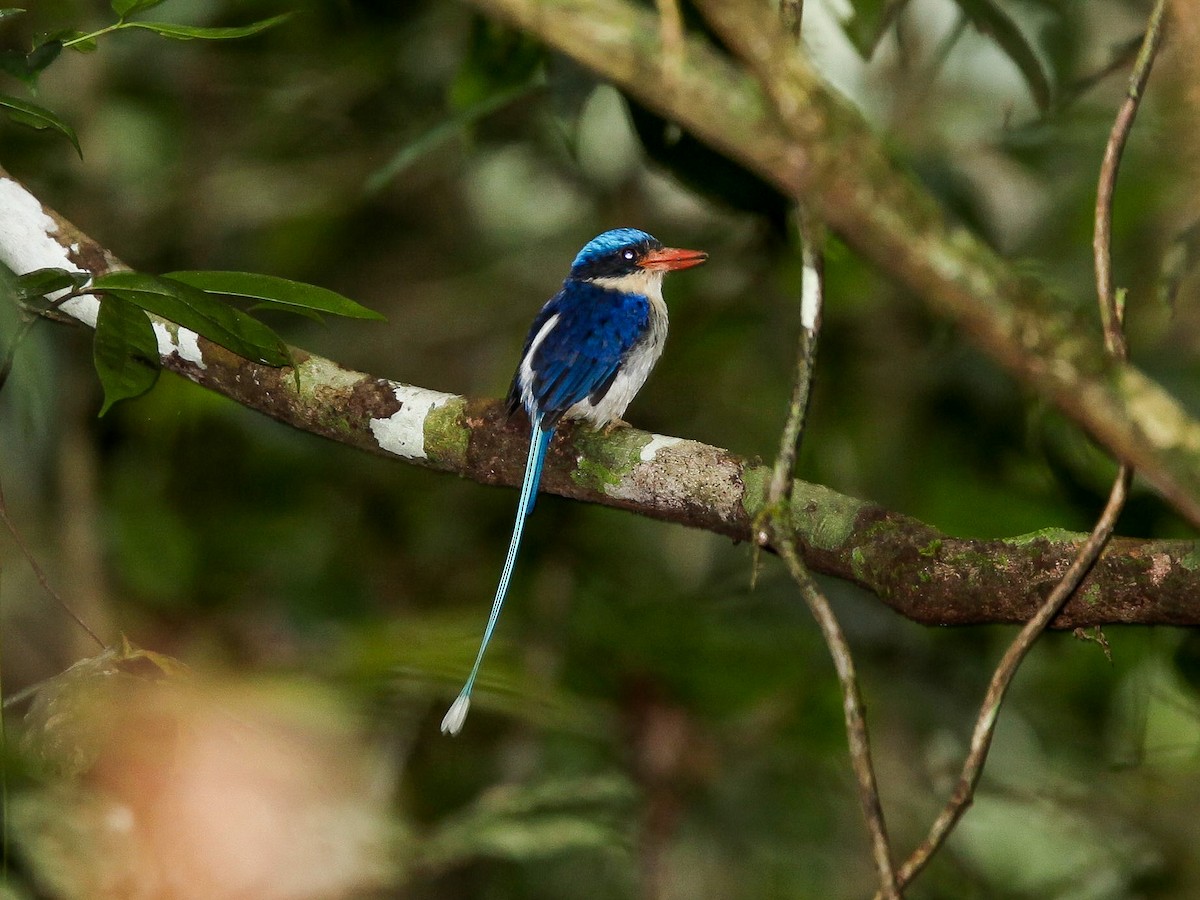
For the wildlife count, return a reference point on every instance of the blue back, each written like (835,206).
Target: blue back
(580,357)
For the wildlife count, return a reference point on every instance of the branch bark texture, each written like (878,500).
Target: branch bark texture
(923,574)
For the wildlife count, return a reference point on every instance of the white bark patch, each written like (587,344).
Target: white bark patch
(27,243)
(187,345)
(657,442)
(183,342)
(403,432)
(810,298)
(1160,568)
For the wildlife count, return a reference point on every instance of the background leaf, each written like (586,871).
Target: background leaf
(275,293)
(124,350)
(868,23)
(38,117)
(194,309)
(197,32)
(497,59)
(42,55)
(8,283)
(444,131)
(27,66)
(125,8)
(42,282)
(990,19)
(538,821)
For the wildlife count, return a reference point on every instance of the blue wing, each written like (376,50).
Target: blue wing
(581,355)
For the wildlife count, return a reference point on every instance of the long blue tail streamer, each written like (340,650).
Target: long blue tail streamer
(539,442)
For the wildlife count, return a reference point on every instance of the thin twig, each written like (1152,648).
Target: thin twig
(37,569)
(777,532)
(1111,314)
(812,301)
(1111,307)
(852,710)
(985,724)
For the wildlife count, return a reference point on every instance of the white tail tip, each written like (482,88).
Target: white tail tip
(452,723)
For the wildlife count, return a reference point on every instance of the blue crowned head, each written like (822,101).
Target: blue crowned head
(615,256)
(611,241)
(613,253)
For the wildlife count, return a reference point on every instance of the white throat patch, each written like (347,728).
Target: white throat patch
(646,282)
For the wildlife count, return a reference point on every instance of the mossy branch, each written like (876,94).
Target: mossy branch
(917,570)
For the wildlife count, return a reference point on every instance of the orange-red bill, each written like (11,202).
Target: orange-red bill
(667,259)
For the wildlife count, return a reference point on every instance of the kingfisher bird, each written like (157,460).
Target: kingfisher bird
(588,352)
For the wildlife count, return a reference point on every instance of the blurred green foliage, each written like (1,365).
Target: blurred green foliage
(646,724)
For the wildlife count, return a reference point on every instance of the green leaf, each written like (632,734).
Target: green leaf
(9,11)
(192,32)
(497,58)
(38,117)
(294,310)
(125,351)
(1179,260)
(42,282)
(869,22)
(27,66)
(8,283)
(990,19)
(12,62)
(196,310)
(42,56)
(275,293)
(441,133)
(125,8)
(539,821)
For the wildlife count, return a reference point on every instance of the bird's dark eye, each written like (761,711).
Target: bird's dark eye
(628,254)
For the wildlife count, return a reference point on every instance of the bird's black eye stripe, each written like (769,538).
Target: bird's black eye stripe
(617,262)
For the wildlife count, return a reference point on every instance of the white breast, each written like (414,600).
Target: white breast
(641,359)
(525,376)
